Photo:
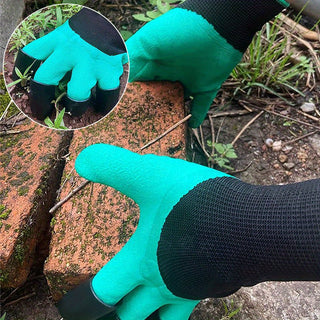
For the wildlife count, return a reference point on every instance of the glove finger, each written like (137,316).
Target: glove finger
(136,176)
(177,311)
(200,106)
(43,47)
(119,276)
(124,58)
(41,97)
(140,303)
(110,71)
(106,100)
(144,178)
(108,88)
(81,82)
(54,68)
(82,303)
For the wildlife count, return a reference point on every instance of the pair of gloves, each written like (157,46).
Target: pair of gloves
(201,232)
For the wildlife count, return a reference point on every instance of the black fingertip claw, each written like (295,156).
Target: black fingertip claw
(106,100)
(81,303)
(41,96)
(154,316)
(25,64)
(76,108)
(111,316)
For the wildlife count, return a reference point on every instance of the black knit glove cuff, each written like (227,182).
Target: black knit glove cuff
(96,30)
(224,234)
(236,20)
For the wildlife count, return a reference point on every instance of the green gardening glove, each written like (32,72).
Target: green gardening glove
(201,234)
(88,46)
(198,44)
(156,184)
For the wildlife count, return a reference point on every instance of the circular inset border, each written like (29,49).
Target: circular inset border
(66,113)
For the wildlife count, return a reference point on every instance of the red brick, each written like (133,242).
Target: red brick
(29,176)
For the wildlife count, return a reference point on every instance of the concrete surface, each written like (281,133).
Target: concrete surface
(10,16)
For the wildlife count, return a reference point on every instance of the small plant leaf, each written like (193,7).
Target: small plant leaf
(59,119)
(219,147)
(231,154)
(59,16)
(287,123)
(233,313)
(19,74)
(153,14)
(28,69)
(3,316)
(126,34)
(163,7)
(41,33)
(48,122)
(12,84)
(141,17)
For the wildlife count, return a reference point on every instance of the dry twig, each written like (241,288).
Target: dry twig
(246,127)
(70,195)
(21,298)
(166,132)
(230,113)
(304,32)
(7,132)
(300,138)
(200,141)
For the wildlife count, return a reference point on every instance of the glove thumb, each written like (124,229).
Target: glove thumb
(200,106)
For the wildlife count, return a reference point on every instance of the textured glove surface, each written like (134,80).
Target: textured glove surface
(201,233)
(156,184)
(64,50)
(198,44)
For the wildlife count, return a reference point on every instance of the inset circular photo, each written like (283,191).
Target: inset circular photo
(66,66)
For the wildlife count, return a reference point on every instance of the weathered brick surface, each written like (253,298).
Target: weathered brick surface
(29,176)
(94,225)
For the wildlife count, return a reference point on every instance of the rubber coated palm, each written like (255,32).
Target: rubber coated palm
(182,46)
(64,50)
(156,184)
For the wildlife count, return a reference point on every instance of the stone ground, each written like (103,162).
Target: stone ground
(270,301)
(10,16)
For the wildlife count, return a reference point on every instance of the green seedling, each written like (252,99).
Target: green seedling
(230,311)
(224,153)
(161,7)
(58,121)
(23,78)
(3,316)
